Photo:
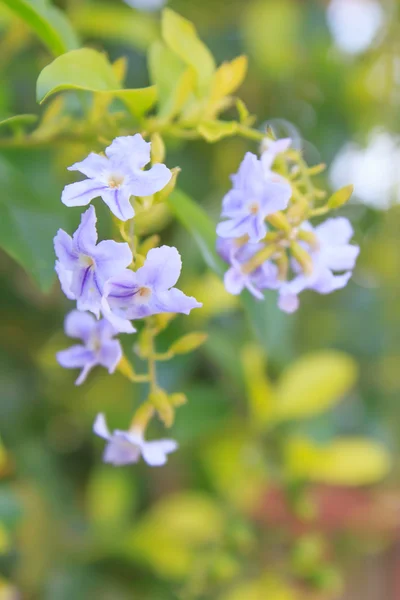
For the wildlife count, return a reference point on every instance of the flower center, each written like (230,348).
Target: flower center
(86,261)
(115,181)
(144,293)
(254,207)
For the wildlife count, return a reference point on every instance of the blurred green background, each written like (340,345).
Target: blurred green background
(230,517)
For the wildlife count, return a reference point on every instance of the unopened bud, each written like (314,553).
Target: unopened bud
(302,257)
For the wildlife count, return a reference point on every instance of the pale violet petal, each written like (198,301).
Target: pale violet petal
(87,290)
(110,355)
(172,300)
(75,357)
(146,183)
(289,303)
(100,427)
(276,196)
(81,192)
(235,281)
(118,201)
(63,247)
(111,258)
(119,322)
(131,149)
(85,237)
(65,278)
(119,451)
(155,453)
(334,232)
(92,166)
(161,269)
(79,324)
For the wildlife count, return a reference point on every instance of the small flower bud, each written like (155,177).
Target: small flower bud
(302,257)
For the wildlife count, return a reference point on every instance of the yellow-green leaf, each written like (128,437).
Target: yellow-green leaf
(348,461)
(340,197)
(49,23)
(259,389)
(18,121)
(188,343)
(87,69)
(213,131)
(228,77)
(314,383)
(181,36)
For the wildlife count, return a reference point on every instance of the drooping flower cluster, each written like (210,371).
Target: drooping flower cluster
(101,279)
(269,243)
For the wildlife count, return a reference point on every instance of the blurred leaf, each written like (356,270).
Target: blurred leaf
(110,500)
(340,197)
(227,78)
(348,461)
(49,23)
(175,81)
(272,32)
(199,225)
(170,534)
(213,131)
(236,467)
(117,23)
(267,586)
(314,383)
(87,69)
(18,121)
(180,35)
(188,343)
(10,507)
(29,219)
(259,388)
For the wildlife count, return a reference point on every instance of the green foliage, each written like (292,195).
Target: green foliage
(49,23)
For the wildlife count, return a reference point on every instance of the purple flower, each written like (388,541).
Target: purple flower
(98,348)
(235,280)
(126,447)
(148,291)
(252,198)
(333,254)
(83,267)
(117,176)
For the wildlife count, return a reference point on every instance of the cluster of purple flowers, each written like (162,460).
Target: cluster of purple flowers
(97,276)
(257,194)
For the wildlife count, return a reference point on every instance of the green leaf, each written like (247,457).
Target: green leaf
(18,121)
(199,225)
(314,383)
(351,461)
(30,214)
(89,70)
(213,131)
(340,197)
(180,36)
(174,80)
(116,23)
(271,327)
(49,23)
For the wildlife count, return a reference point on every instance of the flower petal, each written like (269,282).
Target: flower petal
(87,290)
(276,196)
(85,237)
(116,318)
(118,202)
(63,247)
(74,357)
(81,192)
(327,282)
(79,324)
(110,355)
(155,453)
(235,281)
(161,269)
(340,258)
(289,303)
(65,278)
(111,258)
(92,166)
(335,232)
(100,427)
(131,149)
(119,451)
(146,183)
(172,300)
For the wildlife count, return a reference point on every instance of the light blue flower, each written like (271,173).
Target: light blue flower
(253,197)
(333,260)
(98,348)
(148,291)
(117,176)
(235,279)
(126,447)
(84,267)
